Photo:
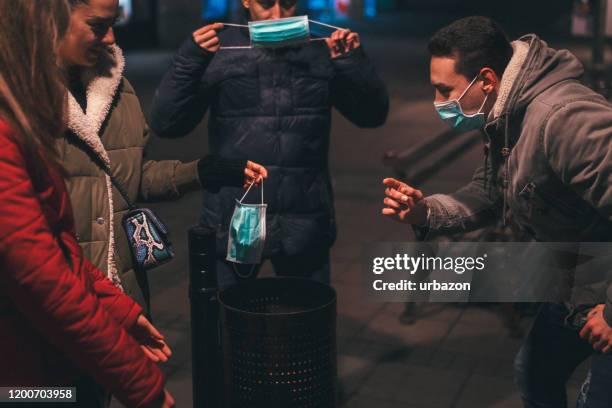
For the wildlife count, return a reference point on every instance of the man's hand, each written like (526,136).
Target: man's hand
(404,203)
(341,42)
(206,37)
(254,173)
(597,331)
(151,341)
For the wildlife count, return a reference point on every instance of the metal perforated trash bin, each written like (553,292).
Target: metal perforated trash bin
(278,340)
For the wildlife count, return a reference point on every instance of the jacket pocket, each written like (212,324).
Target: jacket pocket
(543,204)
(310,90)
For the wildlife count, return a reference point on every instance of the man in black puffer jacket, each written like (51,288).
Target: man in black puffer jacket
(272,105)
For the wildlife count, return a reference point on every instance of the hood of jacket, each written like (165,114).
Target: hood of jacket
(534,68)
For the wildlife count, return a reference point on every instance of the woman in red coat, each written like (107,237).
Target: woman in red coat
(61,320)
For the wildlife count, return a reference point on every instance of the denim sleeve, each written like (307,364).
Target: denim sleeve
(470,208)
(181,100)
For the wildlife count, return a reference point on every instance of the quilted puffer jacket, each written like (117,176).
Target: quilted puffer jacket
(60,317)
(274,107)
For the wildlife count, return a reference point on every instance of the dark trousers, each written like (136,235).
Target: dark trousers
(312,263)
(550,354)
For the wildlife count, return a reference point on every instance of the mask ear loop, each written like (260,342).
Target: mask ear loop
(463,93)
(247,192)
(479,109)
(249,189)
(326,25)
(466,89)
(262,201)
(246,275)
(250,273)
(236,47)
(483,104)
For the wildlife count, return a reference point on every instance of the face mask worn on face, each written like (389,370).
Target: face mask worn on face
(451,113)
(247,232)
(279,32)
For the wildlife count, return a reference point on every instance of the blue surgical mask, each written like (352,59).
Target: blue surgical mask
(247,231)
(279,32)
(451,113)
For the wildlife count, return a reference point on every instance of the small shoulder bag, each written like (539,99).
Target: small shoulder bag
(147,234)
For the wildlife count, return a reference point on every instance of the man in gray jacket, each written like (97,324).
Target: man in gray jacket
(548,165)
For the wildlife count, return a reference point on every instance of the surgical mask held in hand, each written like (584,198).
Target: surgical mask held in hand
(452,113)
(247,231)
(279,32)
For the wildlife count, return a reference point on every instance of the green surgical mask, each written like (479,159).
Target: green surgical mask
(247,231)
(279,32)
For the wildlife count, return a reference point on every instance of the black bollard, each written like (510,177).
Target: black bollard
(206,367)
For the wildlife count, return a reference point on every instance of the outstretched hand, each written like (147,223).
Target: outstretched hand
(597,331)
(404,203)
(151,341)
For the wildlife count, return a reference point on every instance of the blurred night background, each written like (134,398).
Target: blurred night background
(152,23)
(390,355)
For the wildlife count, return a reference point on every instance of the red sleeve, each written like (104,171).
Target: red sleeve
(122,307)
(37,280)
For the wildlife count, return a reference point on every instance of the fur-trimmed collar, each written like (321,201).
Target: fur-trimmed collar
(520,48)
(101,82)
